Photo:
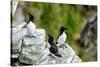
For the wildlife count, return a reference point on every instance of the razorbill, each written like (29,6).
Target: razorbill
(53,47)
(61,38)
(31,26)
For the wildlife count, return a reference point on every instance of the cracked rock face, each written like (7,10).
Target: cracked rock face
(68,56)
(32,50)
(16,39)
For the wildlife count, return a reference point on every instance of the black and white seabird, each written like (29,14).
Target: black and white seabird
(62,38)
(31,26)
(53,47)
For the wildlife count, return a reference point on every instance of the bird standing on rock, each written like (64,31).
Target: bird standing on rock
(62,38)
(31,26)
(53,47)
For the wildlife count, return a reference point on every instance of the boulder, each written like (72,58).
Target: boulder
(34,52)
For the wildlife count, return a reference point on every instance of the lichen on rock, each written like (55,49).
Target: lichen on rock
(32,50)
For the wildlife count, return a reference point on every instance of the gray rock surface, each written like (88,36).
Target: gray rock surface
(34,52)
(16,39)
(32,49)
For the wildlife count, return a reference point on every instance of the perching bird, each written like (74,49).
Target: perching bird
(62,38)
(53,47)
(31,26)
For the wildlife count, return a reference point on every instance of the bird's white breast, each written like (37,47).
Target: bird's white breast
(31,28)
(62,38)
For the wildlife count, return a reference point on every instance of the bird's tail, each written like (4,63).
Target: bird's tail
(58,54)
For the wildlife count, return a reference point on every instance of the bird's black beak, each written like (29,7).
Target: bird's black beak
(63,28)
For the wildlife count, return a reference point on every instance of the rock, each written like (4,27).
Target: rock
(68,56)
(16,39)
(40,34)
(32,50)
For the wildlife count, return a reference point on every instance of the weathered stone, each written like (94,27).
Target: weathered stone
(16,39)
(68,56)
(33,52)
(32,49)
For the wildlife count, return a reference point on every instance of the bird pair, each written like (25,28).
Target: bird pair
(60,42)
(53,47)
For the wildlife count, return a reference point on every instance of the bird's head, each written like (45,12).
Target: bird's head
(62,28)
(50,38)
(31,17)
